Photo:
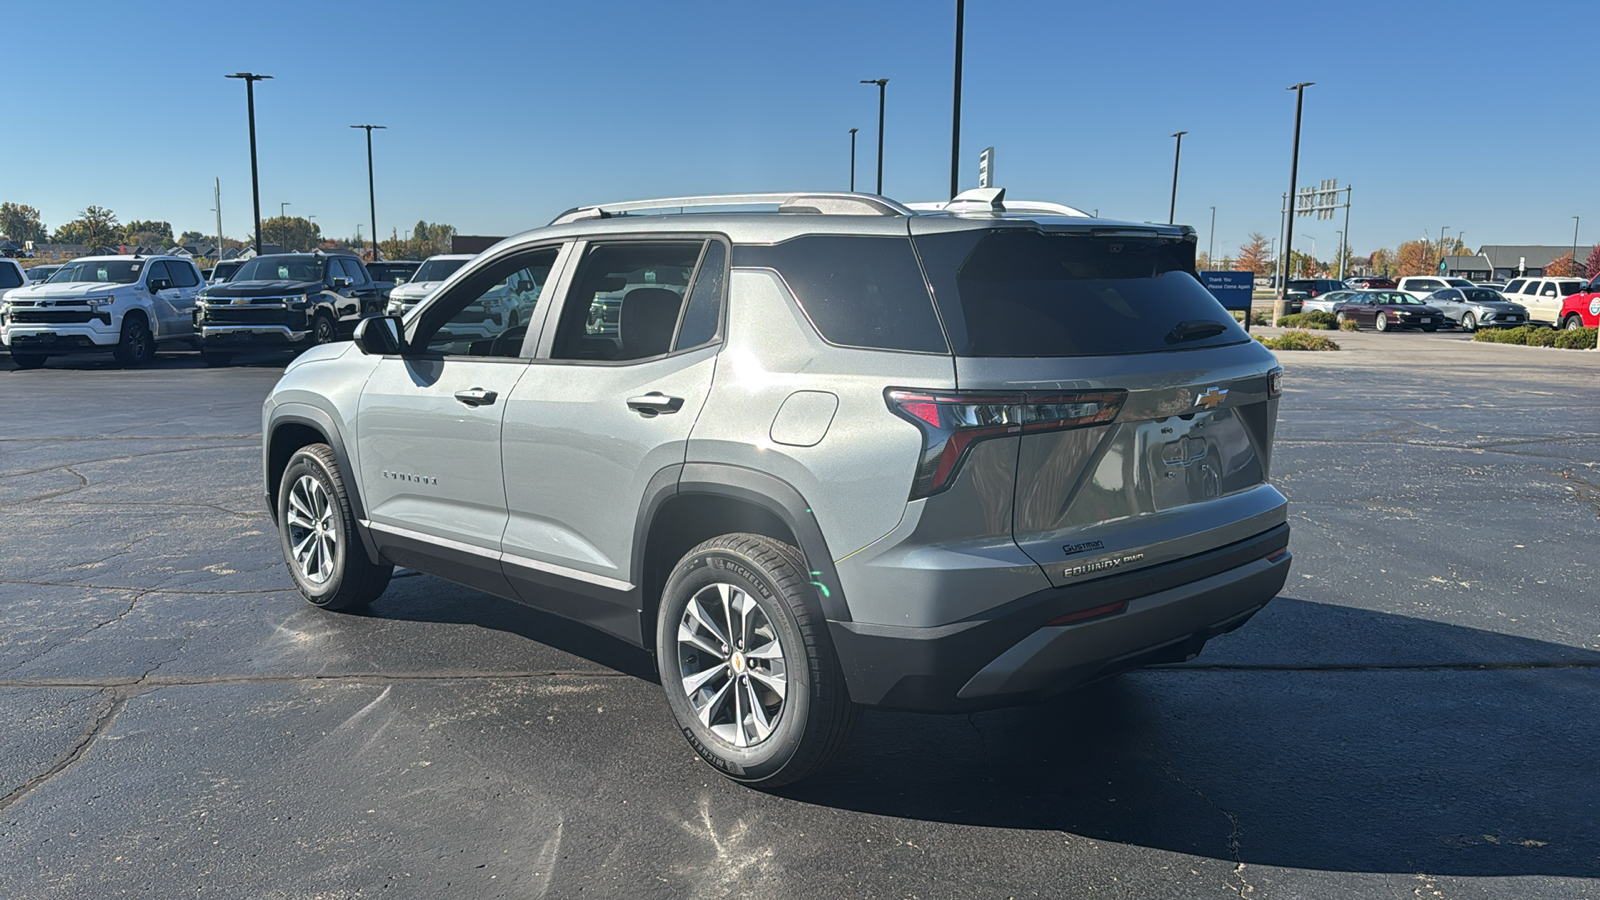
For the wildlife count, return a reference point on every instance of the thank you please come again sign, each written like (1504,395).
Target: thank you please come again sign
(1232,289)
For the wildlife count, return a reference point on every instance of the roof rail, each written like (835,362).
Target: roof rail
(993,200)
(841,203)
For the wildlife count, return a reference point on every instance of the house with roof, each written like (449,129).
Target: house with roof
(1506,261)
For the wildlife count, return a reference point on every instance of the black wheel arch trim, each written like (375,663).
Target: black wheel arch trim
(756,488)
(318,419)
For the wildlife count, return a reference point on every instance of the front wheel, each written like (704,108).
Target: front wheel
(1339,319)
(1381,323)
(1430,328)
(28,360)
(1469,322)
(751,676)
(1572,323)
(317,531)
(322,330)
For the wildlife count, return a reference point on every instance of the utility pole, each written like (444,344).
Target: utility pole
(1439,267)
(250,79)
(882,84)
(853,159)
(217,196)
(1172,210)
(283,226)
(372,196)
(955,118)
(1294,176)
(1575,268)
(1211,245)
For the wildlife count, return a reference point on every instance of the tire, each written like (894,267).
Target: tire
(136,347)
(322,331)
(1469,322)
(1339,319)
(332,570)
(1572,322)
(216,359)
(1381,322)
(28,360)
(757,585)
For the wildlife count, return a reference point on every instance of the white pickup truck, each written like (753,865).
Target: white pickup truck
(125,304)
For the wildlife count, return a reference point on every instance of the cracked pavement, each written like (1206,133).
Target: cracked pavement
(1416,715)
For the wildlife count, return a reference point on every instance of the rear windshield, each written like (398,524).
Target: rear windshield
(1021,292)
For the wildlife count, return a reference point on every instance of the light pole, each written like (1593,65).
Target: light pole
(955,117)
(882,84)
(1176,154)
(1575,269)
(1211,242)
(372,197)
(283,225)
(1341,253)
(1294,176)
(1442,230)
(250,79)
(853,159)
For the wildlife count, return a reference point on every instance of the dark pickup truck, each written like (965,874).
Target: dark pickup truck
(286,301)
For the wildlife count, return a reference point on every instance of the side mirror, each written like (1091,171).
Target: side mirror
(379,336)
(158,284)
(339,282)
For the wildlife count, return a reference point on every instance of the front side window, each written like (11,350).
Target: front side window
(487,314)
(158,272)
(1549,289)
(626,300)
(104,271)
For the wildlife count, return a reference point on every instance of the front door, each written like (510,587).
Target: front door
(430,422)
(625,369)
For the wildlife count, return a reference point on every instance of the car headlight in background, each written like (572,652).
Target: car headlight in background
(395,308)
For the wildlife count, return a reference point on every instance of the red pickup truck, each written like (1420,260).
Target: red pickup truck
(1583,308)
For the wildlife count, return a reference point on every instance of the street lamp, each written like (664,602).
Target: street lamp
(882,83)
(250,79)
(1176,153)
(1294,176)
(1575,268)
(955,117)
(1341,253)
(853,159)
(372,197)
(1442,230)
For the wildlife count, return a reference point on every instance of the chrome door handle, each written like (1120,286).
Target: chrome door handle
(476,397)
(655,403)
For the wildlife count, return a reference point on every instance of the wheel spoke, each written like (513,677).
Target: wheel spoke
(740,738)
(773,682)
(744,604)
(758,713)
(687,635)
(711,706)
(725,591)
(700,615)
(695,682)
(769,650)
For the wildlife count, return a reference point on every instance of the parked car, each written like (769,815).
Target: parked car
(41,274)
(1420,286)
(1387,311)
(128,305)
(1474,307)
(1582,309)
(389,274)
(1326,302)
(1544,297)
(809,473)
(1315,287)
(1491,285)
(424,281)
(223,271)
(286,301)
(1369,282)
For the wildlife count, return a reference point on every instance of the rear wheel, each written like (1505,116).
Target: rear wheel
(136,347)
(28,360)
(750,673)
(1381,323)
(317,531)
(1469,322)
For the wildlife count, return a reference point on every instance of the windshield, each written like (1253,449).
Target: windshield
(438,269)
(282,268)
(1483,295)
(1458,282)
(107,271)
(1396,298)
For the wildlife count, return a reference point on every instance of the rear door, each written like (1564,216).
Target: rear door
(1083,318)
(428,435)
(165,303)
(606,409)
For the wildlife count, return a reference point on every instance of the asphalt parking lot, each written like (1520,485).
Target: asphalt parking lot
(1416,715)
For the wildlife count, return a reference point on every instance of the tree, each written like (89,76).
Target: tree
(94,227)
(190,237)
(1416,258)
(1562,266)
(1383,261)
(1253,255)
(1591,266)
(20,222)
(291,233)
(161,230)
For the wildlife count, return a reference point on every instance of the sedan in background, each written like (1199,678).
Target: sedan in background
(1388,310)
(1326,302)
(1475,307)
(1370,282)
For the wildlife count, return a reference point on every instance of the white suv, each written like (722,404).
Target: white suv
(429,277)
(1420,286)
(125,304)
(1543,297)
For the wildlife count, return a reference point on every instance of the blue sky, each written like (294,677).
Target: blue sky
(501,115)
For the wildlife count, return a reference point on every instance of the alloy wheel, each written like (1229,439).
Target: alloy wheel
(1381,323)
(732,665)
(313,533)
(1469,322)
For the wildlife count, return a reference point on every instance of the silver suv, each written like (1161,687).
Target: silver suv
(836,453)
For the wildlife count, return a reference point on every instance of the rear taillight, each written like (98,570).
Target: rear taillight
(952,421)
(1275,382)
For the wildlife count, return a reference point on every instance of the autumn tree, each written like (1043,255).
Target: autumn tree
(94,227)
(1383,260)
(20,222)
(1254,255)
(1562,266)
(1591,266)
(1416,258)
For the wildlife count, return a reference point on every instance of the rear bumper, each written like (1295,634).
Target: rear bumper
(1010,656)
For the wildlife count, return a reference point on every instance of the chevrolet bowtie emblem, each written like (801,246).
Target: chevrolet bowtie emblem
(1211,397)
(240,301)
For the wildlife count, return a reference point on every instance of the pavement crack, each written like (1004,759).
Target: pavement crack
(115,701)
(1235,831)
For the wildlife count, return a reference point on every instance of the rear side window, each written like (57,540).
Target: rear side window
(857,291)
(1026,293)
(183,274)
(10,277)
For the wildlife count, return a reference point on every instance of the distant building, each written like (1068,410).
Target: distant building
(1506,261)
